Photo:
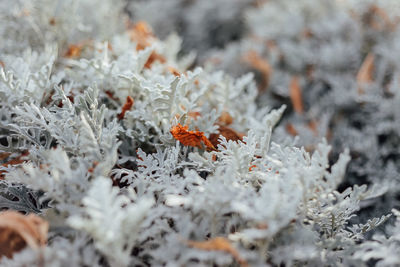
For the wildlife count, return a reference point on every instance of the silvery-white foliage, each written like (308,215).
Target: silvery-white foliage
(119,190)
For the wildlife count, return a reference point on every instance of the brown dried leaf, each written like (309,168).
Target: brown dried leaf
(190,138)
(225,118)
(142,34)
(219,244)
(127,106)
(73,51)
(15,161)
(227,132)
(295,95)
(313,125)
(365,74)
(154,56)
(18,231)
(291,129)
(260,64)
(174,71)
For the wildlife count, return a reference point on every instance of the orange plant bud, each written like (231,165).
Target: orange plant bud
(127,106)
(219,244)
(190,138)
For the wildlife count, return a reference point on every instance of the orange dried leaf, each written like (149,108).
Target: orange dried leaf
(110,95)
(227,132)
(142,34)
(52,21)
(291,129)
(174,71)
(313,125)
(152,58)
(190,138)
(218,244)
(91,169)
(365,74)
(381,13)
(18,231)
(252,167)
(73,51)
(260,64)
(295,95)
(16,161)
(127,106)
(225,118)
(2,64)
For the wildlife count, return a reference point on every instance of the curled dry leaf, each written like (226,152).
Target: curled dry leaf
(291,129)
(225,118)
(190,138)
(227,132)
(142,34)
(15,161)
(260,64)
(127,106)
(73,51)
(295,95)
(365,74)
(379,19)
(174,71)
(219,244)
(18,231)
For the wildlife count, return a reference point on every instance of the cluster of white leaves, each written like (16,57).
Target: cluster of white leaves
(115,185)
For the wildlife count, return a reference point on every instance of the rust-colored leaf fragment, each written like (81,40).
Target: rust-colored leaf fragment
(127,106)
(2,64)
(260,64)
(219,244)
(295,95)
(291,129)
(190,138)
(73,51)
(18,231)
(313,126)
(174,71)
(378,19)
(15,161)
(227,132)
(225,118)
(110,95)
(252,167)
(91,169)
(154,56)
(142,34)
(52,21)
(365,74)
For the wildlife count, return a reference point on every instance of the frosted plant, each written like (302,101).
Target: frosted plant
(335,65)
(202,24)
(135,158)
